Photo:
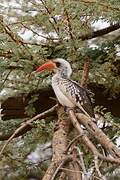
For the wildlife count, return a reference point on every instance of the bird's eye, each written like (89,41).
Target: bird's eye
(58,64)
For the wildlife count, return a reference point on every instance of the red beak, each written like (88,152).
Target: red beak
(47,66)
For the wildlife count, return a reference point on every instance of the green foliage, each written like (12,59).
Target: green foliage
(62,39)
(30,109)
(14,163)
(31,32)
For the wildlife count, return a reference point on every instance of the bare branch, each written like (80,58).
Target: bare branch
(97,168)
(75,168)
(67,17)
(99,135)
(2,85)
(73,141)
(85,74)
(66,160)
(100,32)
(11,34)
(23,125)
(69,170)
(41,35)
(59,144)
(89,144)
(54,22)
(82,162)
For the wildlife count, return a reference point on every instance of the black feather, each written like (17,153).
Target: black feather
(83,98)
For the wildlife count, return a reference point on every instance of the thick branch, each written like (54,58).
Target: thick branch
(87,141)
(59,145)
(99,135)
(100,32)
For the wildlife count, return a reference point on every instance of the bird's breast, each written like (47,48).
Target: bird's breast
(62,98)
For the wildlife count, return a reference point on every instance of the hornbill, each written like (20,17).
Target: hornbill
(68,92)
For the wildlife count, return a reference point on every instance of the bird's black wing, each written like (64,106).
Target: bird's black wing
(78,95)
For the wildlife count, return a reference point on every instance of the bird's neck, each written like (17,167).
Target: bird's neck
(57,78)
(62,73)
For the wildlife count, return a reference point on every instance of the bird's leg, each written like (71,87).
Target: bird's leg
(67,109)
(75,109)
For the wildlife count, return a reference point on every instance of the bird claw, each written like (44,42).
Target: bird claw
(67,109)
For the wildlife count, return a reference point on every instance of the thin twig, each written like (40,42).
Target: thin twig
(54,25)
(73,141)
(23,125)
(2,85)
(66,160)
(97,168)
(66,169)
(70,31)
(41,35)
(82,161)
(14,37)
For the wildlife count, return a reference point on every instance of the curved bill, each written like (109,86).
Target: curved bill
(47,66)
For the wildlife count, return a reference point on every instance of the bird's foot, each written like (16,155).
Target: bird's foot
(67,109)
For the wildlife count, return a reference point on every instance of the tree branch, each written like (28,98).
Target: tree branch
(99,135)
(89,144)
(67,18)
(97,168)
(59,144)
(106,6)
(66,160)
(54,22)
(85,73)
(100,32)
(25,124)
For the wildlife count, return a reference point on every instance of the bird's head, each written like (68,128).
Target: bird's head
(57,65)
